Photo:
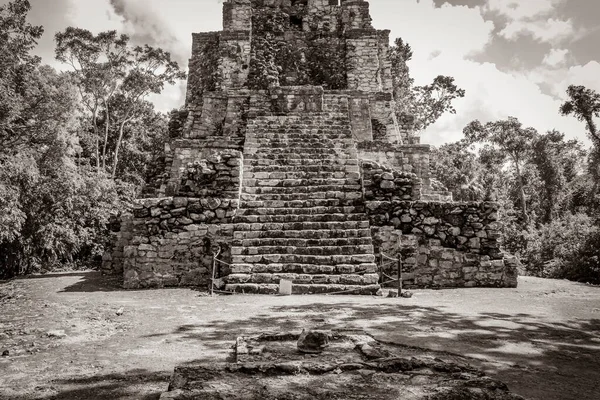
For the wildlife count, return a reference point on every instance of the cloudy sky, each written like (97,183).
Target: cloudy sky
(513,57)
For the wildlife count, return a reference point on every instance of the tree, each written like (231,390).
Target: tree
(509,140)
(400,54)
(97,62)
(585,105)
(147,72)
(459,170)
(52,209)
(557,163)
(426,103)
(143,140)
(109,73)
(17,38)
(433,101)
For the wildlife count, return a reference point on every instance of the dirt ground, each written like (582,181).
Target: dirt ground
(79,336)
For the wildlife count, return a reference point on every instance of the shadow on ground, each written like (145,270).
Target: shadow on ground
(519,349)
(135,384)
(93,281)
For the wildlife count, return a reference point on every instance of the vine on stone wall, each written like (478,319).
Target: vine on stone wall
(209,64)
(326,63)
(204,70)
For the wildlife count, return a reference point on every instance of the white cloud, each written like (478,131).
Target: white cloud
(586,75)
(550,30)
(453,30)
(556,57)
(492,95)
(532,17)
(522,9)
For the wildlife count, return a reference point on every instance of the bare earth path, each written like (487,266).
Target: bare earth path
(542,339)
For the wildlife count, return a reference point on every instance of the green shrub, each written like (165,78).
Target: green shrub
(566,248)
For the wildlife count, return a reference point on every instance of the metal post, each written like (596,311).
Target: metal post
(212,280)
(399,275)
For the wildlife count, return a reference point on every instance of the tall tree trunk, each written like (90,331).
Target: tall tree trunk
(106,129)
(95,122)
(521,192)
(117,147)
(593,129)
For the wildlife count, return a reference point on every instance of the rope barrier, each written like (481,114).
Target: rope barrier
(383,274)
(214,269)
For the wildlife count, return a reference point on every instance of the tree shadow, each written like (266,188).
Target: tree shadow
(93,281)
(537,359)
(137,384)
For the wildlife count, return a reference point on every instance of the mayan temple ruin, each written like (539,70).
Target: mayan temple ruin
(289,163)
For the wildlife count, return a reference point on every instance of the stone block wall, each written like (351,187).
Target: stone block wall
(381,183)
(383,116)
(362,60)
(443,244)
(234,51)
(218,174)
(407,158)
(189,153)
(237,15)
(171,241)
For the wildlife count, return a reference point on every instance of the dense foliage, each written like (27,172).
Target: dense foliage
(548,200)
(58,132)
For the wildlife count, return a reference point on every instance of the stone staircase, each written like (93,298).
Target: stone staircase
(302,215)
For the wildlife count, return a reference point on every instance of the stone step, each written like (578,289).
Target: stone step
(307,121)
(303,242)
(295,183)
(300,174)
(346,279)
(303,251)
(307,234)
(333,135)
(305,158)
(251,189)
(330,195)
(251,219)
(300,139)
(328,259)
(268,149)
(299,226)
(271,168)
(305,269)
(312,140)
(295,162)
(253,288)
(301,203)
(301,211)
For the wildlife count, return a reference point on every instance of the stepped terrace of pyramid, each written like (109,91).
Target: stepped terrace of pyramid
(289,163)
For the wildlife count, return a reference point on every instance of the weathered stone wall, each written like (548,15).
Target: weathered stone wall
(382,183)
(234,51)
(170,241)
(383,116)
(443,244)
(362,58)
(203,67)
(219,174)
(407,158)
(187,153)
(237,15)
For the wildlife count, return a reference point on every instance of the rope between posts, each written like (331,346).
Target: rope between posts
(391,280)
(361,288)
(388,257)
